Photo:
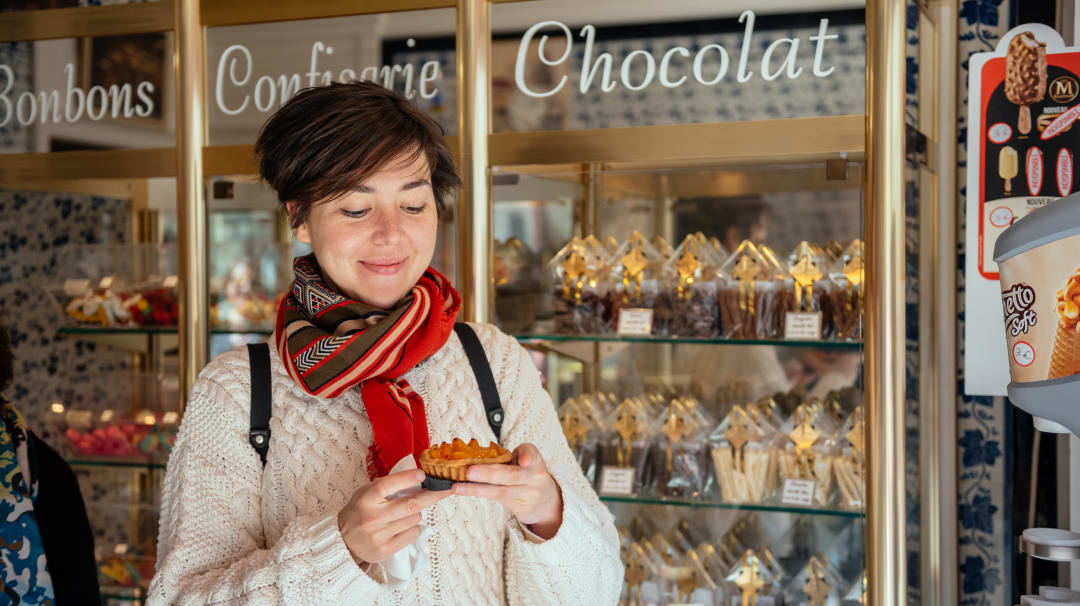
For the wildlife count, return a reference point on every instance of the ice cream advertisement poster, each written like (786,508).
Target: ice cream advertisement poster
(1023,106)
(1040,298)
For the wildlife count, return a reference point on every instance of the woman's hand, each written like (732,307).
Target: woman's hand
(375,527)
(526,489)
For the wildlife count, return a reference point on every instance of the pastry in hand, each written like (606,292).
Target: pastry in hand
(450,460)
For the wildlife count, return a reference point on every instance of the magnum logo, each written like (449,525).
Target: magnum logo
(1018,302)
(1064,89)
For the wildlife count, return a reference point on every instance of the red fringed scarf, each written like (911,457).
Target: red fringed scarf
(330,343)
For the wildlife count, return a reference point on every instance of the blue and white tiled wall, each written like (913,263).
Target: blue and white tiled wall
(984,566)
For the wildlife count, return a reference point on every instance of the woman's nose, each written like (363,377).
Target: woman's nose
(387,227)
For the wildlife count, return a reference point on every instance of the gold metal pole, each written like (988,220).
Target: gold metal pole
(474,269)
(884,335)
(943,500)
(192,228)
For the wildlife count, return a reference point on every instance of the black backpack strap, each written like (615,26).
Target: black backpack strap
(484,379)
(259,361)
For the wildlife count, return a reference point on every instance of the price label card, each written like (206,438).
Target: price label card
(617,480)
(802,326)
(798,492)
(635,322)
(76,288)
(171,281)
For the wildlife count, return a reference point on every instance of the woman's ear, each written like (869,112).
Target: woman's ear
(301,231)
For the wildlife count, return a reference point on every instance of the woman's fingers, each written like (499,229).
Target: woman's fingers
(513,497)
(398,542)
(528,455)
(507,475)
(394,483)
(413,504)
(396,527)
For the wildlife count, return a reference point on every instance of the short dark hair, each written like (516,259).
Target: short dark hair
(7,360)
(327,140)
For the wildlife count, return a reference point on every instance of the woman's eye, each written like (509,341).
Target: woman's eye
(415,210)
(355,214)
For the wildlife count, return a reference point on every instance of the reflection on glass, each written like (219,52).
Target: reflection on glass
(109,92)
(253,70)
(559,66)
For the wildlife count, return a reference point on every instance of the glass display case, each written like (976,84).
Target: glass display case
(699,329)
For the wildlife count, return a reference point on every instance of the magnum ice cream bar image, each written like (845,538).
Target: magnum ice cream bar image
(1008,166)
(1025,76)
(1038,258)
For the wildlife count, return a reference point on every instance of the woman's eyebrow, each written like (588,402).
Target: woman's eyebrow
(364,189)
(415,184)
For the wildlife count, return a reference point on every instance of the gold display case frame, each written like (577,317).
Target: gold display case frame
(878,138)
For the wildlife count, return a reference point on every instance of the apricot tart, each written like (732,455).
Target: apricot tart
(449,460)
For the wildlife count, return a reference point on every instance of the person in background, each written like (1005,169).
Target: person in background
(46,545)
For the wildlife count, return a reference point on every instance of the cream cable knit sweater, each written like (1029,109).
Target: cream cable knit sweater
(232,532)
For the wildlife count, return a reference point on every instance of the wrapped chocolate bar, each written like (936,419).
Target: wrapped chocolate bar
(584,430)
(691,275)
(846,295)
(661,245)
(809,285)
(678,459)
(641,579)
(748,286)
(777,297)
(582,287)
(623,448)
(636,271)
(516,285)
(813,448)
(817,584)
(849,465)
(744,459)
(747,581)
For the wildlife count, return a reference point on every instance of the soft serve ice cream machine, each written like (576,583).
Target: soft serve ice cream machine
(1038,260)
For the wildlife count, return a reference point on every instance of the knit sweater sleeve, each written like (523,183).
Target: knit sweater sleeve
(580,564)
(211,548)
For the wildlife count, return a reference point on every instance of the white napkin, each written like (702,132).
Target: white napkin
(410,560)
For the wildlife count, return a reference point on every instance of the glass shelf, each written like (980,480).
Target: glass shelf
(845,345)
(150,330)
(842,513)
(89,461)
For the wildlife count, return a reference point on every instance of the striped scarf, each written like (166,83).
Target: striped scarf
(330,343)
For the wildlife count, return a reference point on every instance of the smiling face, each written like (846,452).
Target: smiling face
(375,242)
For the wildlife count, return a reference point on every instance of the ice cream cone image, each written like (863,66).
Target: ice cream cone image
(1065,357)
(1025,76)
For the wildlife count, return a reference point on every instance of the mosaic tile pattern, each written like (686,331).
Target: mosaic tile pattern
(984,567)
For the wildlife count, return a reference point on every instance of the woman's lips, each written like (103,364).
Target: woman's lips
(384,267)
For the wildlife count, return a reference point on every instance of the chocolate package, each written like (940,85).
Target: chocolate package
(691,276)
(580,279)
(845,295)
(751,294)
(636,272)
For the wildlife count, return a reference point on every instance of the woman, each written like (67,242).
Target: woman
(366,373)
